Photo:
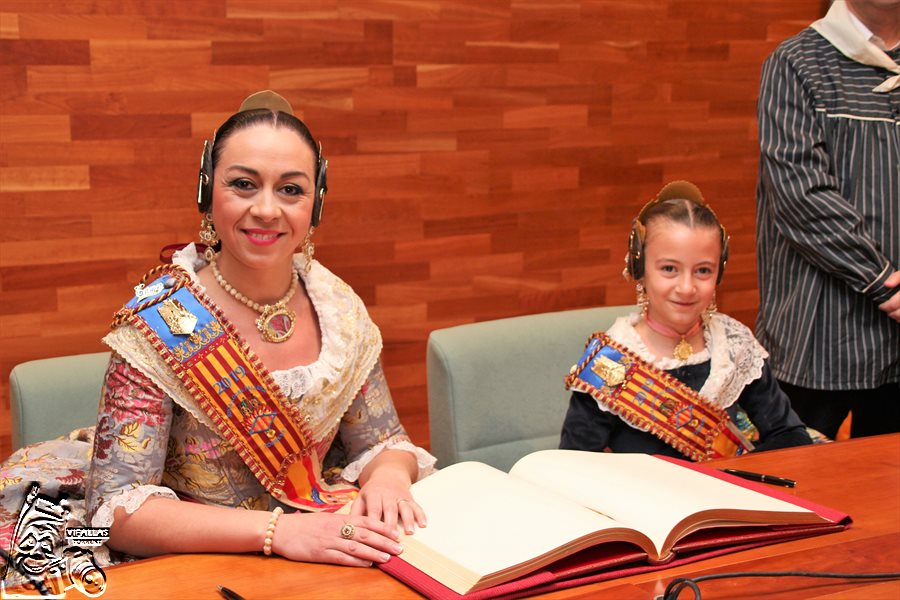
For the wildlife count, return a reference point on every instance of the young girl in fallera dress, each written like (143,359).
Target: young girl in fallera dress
(678,378)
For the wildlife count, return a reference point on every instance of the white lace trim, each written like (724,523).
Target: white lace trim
(130,500)
(737,358)
(424,460)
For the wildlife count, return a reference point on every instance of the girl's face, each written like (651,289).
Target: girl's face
(680,269)
(263,193)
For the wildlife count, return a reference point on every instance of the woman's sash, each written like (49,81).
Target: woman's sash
(653,400)
(232,386)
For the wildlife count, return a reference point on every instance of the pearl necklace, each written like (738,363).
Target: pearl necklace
(683,349)
(275,321)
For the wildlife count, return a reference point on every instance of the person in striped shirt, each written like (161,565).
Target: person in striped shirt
(828,217)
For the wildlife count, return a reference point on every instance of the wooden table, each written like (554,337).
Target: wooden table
(860,477)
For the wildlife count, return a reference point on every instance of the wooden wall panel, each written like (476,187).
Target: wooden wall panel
(486,156)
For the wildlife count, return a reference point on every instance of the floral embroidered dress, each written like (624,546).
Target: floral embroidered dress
(152,439)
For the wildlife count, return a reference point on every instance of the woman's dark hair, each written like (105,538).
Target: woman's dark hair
(256,116)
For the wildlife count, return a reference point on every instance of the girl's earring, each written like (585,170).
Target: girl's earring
(208,236)
(712,306)
(308,249)
(642,299)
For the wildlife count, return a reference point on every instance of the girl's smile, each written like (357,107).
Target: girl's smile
(681,265)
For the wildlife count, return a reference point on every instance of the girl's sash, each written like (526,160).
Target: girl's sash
(232,386)
(655,401)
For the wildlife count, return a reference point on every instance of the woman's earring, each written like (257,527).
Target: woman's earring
(712,306)
(308,249)
(642,299)
(208,236)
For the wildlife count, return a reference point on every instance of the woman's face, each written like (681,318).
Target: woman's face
(263,194)
(680,268)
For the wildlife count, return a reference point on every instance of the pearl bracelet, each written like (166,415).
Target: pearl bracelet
(270,530)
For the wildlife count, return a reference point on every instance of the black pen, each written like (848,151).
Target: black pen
(761,477)
(228,594)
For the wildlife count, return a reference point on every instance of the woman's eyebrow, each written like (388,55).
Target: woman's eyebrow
(242,168)
(253,171)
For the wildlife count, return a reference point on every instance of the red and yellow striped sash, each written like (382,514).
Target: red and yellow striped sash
(232,386)
(653,400)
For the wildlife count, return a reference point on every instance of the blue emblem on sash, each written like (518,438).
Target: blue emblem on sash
(589,374)
(182,345)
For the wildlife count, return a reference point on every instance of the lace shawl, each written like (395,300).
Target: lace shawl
(736,357)
(351,345)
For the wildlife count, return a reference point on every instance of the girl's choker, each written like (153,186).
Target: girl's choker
(683,349)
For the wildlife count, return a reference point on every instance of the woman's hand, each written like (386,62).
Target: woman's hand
(386,496)
(354,540)
(385,491)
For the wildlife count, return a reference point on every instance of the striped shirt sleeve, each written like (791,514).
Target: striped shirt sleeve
(828,217)
(797,170)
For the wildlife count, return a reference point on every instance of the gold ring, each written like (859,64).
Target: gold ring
(402,500)
(347,531)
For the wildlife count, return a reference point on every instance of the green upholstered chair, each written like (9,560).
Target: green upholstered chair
(495,389)
(51,397)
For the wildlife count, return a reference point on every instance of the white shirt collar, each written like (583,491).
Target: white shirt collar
(843,30)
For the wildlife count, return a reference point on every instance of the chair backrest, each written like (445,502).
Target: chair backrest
(495,389)
(51,397)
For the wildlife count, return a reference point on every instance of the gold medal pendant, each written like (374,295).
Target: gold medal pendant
(276,324)
(683,350)
(275,321)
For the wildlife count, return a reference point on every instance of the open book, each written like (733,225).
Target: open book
(486,527)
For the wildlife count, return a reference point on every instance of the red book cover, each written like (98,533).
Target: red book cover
(612,560)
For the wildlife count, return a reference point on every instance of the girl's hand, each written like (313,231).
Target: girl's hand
(354,540)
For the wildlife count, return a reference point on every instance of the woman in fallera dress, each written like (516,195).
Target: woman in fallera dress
(245,402)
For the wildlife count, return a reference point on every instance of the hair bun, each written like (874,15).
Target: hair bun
(680,190)
(267,99)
